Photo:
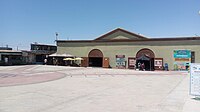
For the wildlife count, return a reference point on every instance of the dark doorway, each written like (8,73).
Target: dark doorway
(145,56)
(95,61)
(95,58)
(40,58)
(147,61)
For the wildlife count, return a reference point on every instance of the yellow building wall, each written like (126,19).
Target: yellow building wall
(165,52)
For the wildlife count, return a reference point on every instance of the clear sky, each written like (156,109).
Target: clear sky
(26,21)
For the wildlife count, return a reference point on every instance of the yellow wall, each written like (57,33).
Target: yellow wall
(109,50)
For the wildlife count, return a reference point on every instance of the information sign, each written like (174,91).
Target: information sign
(195,79)
(131,63)
(120,61)
(182,54)
(182,59)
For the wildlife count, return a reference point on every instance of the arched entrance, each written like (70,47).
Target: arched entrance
(145,56)
(95,58)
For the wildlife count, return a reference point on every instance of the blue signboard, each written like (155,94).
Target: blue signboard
(182,54)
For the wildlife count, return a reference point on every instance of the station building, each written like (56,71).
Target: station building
(124,49)
(12,57)
(41,51)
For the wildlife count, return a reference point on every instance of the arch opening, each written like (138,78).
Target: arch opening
(95,58)
(145,59)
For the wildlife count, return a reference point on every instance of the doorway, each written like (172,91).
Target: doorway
(148,64)
(95,58)
(95,61)
(145,56)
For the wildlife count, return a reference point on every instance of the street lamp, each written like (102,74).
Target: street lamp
(56,35)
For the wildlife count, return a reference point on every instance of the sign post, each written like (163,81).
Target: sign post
(195,79)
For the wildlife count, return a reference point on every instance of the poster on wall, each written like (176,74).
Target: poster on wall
(195,79)
(120,61)
(181,65)
(182,59)
(158,63)
(131,63)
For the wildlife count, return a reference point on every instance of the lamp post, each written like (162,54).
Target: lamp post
(56,35)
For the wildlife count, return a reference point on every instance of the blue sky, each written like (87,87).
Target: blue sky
(25,21)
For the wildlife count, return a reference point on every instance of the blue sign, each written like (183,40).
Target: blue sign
(182,54)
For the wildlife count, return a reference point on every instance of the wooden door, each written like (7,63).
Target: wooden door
(106,62)
(84,62)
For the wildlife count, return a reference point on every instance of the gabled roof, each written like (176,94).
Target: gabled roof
(126,36)
(120,34)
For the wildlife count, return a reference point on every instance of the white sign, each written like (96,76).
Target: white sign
(158,63)
(195,79)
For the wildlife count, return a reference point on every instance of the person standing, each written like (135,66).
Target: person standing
(6,60)
(54,61)
(139,66)
(45,61)
(143,67)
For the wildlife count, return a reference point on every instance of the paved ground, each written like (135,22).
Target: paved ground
(40,88)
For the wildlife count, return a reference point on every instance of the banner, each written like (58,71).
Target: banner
(181,65)
(158,63)
(131,63)
(182,54)
(195,79)
(182,59)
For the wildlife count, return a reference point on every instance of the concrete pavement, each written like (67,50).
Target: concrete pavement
(94,90)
